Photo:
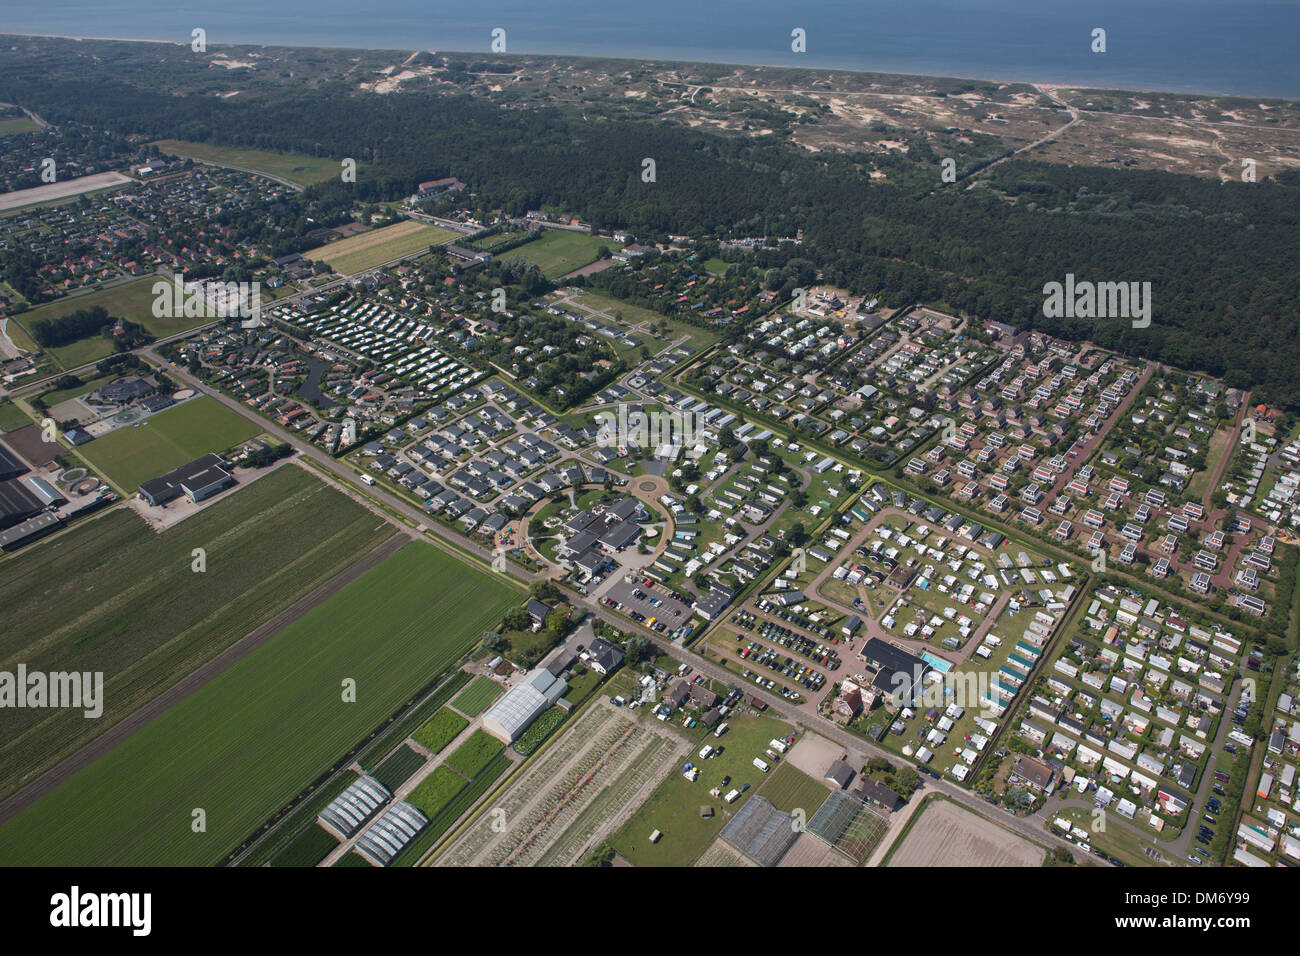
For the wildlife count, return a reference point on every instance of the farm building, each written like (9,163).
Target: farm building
(10,465)
(760,832)
(512,714)
(197,480)
(349,811)
(17,503)
(390,834)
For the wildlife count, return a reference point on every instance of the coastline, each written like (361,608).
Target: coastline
(671,61)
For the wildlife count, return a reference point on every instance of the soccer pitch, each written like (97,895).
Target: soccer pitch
(561,251)
(369,249)
(248,741)
(136,453)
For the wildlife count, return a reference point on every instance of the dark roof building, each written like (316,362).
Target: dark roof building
(604,656)
(129,388)
(10,464)
(840,774)
(873,791)
(17,503)
(198,480)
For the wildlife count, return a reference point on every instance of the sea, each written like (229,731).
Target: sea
(1234,47)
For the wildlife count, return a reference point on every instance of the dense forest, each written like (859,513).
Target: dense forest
(1221,256)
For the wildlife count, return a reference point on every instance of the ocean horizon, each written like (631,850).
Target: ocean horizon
(1222,47)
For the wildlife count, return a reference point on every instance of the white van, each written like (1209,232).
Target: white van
(760,764)
(705,751)
(722,729)
(367,480)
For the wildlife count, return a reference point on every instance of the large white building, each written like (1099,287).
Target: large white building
(512,714)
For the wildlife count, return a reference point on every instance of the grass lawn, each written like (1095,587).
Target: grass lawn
(18,335)
(136,453)
(1218,445)
(561,251)
(131,300)
(296,167)
(377,246)
(88,385)
(475,753)
(716,266)
(521,644)
(440,730)
(674,807)
(635,315)
(253,737)
(791,789)
(475,698)
(1118,840)
(17,124)
(12,418)
(110,595)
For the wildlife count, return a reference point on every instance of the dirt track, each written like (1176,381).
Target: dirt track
(145,714)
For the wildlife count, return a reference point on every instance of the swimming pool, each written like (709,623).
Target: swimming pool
(938,663)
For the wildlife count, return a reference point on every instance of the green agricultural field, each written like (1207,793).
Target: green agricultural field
(308,848)
(135,453)
(131,300)
(475,698)
(366,250)
(561,251)
(475,753)
(256,735)
(436,790)
(296,167)
(398,767)
(440,730)
(791,789)
(538,731)
(111,595)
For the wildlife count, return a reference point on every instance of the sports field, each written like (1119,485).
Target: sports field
(369,249)
(252,738)
(132,301)
(296,167)
(167,440)
(561,251)
(111,595)
(17,124)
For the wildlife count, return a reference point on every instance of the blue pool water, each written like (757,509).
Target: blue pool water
(938,663)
